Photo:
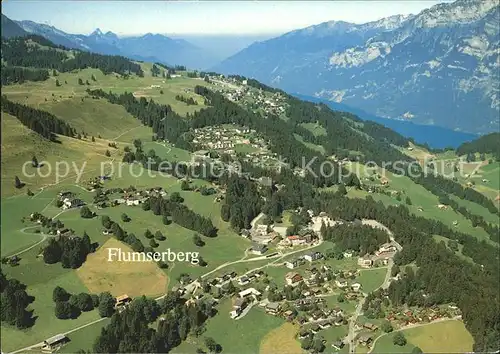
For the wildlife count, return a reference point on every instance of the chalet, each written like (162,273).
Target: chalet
(122,300)
(238,307)
(313,256)
(288,315)
(294,263)
(365,340)
(338,344)
(258,249)
(385,248)
(273,308)
(365,262)
(296,240)
(72,203)
(315,328)
(250,292)
(442,206)
(245,233)
(341,283)
(54,342)
(243,280)
(324,324)
(356,286)
(347,254)
(293,278)
(65,194)
(338,321)
(370,326)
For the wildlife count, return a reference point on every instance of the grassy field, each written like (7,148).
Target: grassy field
(314,128)
(46,95)
(281,340)
(131,278)
(420,198)
(41,280)
(19,145)
(84,338)
(311,146)
(442,337)
(371,279)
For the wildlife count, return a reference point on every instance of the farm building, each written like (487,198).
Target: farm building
(54,342)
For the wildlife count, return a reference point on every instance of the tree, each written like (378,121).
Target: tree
(84,302)
(185,185)
(159,236)
(93,78)
(318,345)
(198,241)
(93,139)
(387,327)
(148,234)
(86,213)
(106,222)
(416,350)
(342,190)
(166,220)
(211,344)
(80,81)
(153,243)
(106,304)
(18,183)
(408,201)
(58,83)
(63,310)
(87,82)
(59,294)
(225,212)
(54,72)
(125,217)
(176,197)
(399,339)
(108,154)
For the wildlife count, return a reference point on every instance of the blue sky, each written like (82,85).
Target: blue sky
(197,17)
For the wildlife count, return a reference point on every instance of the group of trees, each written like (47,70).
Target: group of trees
(362,239)
(182,215)
(487,144)
(13,303)
(41,122)
(242,202)
(130,331)
(189,100)
(71,306)
(19,52)
(122,235)
(68,306)
(17,75)
(71,251)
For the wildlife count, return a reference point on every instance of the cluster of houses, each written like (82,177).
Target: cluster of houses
(245,299)
(132,197)
(382,255)
(69,200)
(225,138)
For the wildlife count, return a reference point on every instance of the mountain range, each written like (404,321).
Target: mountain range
(147,47)
(439,67)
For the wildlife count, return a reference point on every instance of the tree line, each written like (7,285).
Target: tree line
(41,122)
(20,51)
(71,251)
(182,215)
(13,303)
(130,331)
(16,75)
(487,144)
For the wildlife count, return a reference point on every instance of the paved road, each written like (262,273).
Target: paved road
(352,321)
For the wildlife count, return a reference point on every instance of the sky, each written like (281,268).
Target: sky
(202,17)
